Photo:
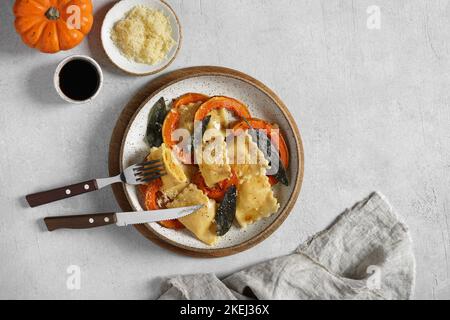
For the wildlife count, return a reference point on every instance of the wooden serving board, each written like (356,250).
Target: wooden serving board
(139,99)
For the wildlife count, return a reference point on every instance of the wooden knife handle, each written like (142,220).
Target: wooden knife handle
(83,221)
(40,198)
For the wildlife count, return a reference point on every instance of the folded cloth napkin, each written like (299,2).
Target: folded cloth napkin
(365,254)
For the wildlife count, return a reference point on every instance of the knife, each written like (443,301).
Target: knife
(120,219)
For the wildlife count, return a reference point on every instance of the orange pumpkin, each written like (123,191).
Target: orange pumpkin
(53,25)
(217,192)
(235,106)
(148,194)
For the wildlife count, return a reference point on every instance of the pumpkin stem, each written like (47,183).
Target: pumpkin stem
(52,13)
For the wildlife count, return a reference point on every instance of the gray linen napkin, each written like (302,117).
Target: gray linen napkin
(365,254)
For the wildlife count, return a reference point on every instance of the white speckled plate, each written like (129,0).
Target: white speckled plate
(261,105)
(118,12)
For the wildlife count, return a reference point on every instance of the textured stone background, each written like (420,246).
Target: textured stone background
(372,106)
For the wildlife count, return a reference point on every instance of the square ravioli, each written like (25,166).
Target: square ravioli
(201,222)
(255,200)
(246,158)
(212,161)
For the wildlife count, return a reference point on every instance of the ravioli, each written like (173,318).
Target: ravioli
(213,162)
(255,200)
(201,222)
(175,179)
(246,158)
(218,120)
(187,114)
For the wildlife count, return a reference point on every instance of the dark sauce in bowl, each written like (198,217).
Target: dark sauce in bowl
(79,79)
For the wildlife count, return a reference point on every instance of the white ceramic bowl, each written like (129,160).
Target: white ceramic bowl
(261,105)
(116,13)
(62,64)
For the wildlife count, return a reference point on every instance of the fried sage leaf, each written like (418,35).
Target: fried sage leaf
(155,122)
(226,212)
(281,174)
(196,138)
(270,153)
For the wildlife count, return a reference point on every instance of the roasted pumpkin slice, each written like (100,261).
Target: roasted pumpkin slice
(234,106)
(171,123)
(187,98)
(218,191)
(149,195)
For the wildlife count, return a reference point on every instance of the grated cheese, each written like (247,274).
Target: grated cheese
(144,35)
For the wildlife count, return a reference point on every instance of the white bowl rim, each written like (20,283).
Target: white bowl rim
(169,62)
(62,63)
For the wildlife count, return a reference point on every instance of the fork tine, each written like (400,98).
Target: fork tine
(154,167)
(150,178)
(143,164)
(150,173)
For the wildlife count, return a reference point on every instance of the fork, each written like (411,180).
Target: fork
(136,174)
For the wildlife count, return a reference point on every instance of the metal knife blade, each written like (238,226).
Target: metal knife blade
(127,218)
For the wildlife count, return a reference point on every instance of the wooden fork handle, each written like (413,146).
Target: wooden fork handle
(40,198)
(84,221)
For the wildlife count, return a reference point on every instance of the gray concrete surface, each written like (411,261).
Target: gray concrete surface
(371,104)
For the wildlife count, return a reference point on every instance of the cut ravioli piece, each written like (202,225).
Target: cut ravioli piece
(201,222)
(175,179)
(213,162)
(187,113)
(213,173)
(171,164)
(246,157)
(217,125)
(255,200)
(218,120)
